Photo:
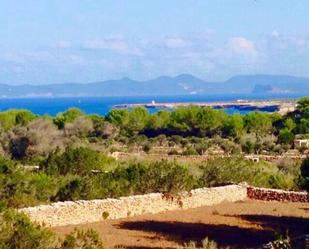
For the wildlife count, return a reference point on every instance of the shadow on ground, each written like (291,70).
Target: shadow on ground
(224,235)
(294,226)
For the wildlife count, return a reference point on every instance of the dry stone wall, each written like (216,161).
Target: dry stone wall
(265,194)
(78,212)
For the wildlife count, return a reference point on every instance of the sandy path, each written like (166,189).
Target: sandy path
(241,225)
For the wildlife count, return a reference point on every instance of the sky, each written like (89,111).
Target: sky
(55,41)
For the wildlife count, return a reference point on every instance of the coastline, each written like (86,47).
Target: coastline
(280,106)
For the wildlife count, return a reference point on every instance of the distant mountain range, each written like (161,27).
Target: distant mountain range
(183,84)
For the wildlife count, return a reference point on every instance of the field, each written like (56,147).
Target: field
(237,225)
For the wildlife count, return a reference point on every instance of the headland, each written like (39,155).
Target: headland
(281,106)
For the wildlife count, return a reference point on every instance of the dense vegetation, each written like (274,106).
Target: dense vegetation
(72,152)
(20,187)
(16,231)
(186,130)
(59,180)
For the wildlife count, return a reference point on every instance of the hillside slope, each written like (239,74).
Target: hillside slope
(180,85)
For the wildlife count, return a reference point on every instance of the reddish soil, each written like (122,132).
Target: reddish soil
(238,225)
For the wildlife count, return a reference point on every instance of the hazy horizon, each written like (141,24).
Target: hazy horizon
(156,77)
(44,42)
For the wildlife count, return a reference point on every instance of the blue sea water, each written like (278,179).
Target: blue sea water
(102,105)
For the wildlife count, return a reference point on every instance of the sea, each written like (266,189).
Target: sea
(102,105)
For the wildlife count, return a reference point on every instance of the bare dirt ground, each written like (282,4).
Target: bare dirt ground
(243,224)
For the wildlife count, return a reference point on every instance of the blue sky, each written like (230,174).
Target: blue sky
(53,41)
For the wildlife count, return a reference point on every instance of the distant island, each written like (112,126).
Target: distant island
(279,106)
(184,84)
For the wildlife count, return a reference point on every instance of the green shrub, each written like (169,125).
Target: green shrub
(304,174)
(206,244)
(19,187)
(147,147)
(105,215)
(164,176)
(209,244)
(12,118)
(6,165)
(67,117)
(79,161)
(286,136)
(16,231)
(190,151)
(235,170)
(71,191)
(141,178)
(24,117)
(82,240)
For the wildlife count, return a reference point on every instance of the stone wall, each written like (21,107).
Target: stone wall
(265,194)
(70,213)
(79,212)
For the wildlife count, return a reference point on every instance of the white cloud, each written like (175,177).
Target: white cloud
(174,42)
(215,57)
(191,55)
(285,43)
(74,59)
(242,45)
(63,44)
(275,33)
(108,44)
(112,44)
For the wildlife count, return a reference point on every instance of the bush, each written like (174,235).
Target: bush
(289,166)
(142,178)
(82,240)
(286,136)
(24,117)
(19,146)
(304,174)
(19,188)
(12,118)
(6,165)
(16,231)
(71,191)
(209,244)
(147,147)
(81,127)
(67,117)
(104,129)
(79,161)
(38,138)
(165,177)
(225,171)
(248,143)
(105,215)
(173,152)
(206,244)
(190,151)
